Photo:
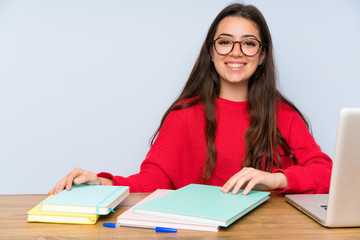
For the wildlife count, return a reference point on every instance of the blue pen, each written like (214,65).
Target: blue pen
(157,229)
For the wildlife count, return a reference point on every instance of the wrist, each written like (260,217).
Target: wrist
(105,181)
(282,181)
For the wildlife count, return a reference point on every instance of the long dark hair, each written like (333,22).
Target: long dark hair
(262,137)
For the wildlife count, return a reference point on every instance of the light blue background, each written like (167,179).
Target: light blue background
(85,82)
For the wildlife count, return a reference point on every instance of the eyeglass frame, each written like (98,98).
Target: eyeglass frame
(261,44)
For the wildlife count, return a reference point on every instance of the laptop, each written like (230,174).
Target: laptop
(341,207)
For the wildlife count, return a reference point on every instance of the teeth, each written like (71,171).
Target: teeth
(236,65)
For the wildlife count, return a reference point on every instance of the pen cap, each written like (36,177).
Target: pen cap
(112,225)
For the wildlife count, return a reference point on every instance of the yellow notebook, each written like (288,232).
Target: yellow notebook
(37,215)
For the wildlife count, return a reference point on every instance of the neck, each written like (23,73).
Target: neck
(236,92)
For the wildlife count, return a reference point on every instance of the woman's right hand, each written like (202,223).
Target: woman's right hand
(76,176)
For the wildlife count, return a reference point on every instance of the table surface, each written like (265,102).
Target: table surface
(274,219)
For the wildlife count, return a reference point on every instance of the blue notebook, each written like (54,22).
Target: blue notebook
(204,204)
(95,199)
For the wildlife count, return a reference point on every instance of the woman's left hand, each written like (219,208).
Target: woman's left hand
(251,178)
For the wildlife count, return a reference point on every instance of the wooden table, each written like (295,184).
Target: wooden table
(274,219)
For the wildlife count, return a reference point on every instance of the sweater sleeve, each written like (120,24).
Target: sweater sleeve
(159,167)
(313,171)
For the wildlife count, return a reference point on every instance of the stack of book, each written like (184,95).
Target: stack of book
(195,207)
(83,204)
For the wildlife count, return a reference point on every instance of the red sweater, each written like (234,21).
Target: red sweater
(178,154)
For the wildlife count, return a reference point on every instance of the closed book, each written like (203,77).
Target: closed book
(203,203)
(94,199)
(37,215)
(129,218)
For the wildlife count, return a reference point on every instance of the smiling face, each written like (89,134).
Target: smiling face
(235,68)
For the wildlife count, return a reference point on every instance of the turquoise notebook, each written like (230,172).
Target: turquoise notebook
(203,203)
(95,199)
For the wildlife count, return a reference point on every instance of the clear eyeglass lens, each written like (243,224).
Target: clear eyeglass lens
(248,46)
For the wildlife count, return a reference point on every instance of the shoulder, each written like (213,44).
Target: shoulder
(294,128)
(187,112)
(189,105)
(189,101)
(287,116)
(283,110)
(181,122)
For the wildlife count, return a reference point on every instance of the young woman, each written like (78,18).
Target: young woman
(230,126)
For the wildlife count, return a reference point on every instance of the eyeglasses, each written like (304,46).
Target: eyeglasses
(249,46)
